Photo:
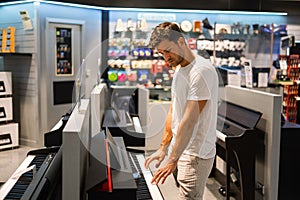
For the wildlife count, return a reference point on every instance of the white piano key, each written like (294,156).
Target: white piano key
(221,135)
(128,119)
(58,124)
(137,124)
(153,189)
(14,178)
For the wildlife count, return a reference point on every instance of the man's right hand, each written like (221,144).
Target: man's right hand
(159,155)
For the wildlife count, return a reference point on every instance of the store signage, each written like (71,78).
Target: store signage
(156,16)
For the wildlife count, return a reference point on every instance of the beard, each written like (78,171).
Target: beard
(173,62)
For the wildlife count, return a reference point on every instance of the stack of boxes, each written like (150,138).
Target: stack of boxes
(9,130)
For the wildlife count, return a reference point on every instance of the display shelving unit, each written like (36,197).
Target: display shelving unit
(290,88)
(132,62)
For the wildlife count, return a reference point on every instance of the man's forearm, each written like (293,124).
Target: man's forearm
(183,137)
(167,136)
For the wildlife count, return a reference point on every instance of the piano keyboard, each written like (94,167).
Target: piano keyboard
(14,178)
(20,184)
(145,189)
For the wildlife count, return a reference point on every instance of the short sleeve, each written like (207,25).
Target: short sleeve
(200,85)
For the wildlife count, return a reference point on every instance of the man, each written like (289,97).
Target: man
(190,131)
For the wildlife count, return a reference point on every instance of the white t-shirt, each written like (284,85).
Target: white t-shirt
(197,81)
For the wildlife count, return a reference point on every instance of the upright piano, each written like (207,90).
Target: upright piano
(39,176)
(125,113)
(125,125)
(116,173)
(238,140)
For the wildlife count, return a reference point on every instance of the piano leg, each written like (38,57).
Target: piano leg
(244,153)
(227,179)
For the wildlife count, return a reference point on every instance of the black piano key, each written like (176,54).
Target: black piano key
(19,188)
(13,196)
(27,176)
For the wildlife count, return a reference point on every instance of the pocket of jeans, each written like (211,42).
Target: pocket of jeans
(185,168)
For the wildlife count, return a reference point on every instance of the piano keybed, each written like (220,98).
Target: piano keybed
(22,185)
(142,189)
(145,190)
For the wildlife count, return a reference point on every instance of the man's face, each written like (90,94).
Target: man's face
(171,52)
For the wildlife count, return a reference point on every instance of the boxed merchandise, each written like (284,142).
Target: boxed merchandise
(6,110)
(9,135)
(5,83)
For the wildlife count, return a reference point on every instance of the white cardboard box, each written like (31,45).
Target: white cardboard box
(6,109)
(9,135)
(5,83)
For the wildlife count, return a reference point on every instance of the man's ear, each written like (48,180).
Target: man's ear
(181,41)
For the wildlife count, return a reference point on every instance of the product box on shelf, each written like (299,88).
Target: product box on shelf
(6,109)
(9,135)
(5,83)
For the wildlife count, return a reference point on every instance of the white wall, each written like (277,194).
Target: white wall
(29,77)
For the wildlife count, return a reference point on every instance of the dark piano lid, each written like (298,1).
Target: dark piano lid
(113,151)
(97,172)
(245,117)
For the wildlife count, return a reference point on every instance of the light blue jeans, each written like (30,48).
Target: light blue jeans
(192,174)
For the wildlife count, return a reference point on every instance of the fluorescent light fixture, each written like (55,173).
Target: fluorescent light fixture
(195,11)
(72,5)
(52,2)
(15,2)
(150,9)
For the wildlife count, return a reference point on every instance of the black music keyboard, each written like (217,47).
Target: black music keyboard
(30,180)
(237,142)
